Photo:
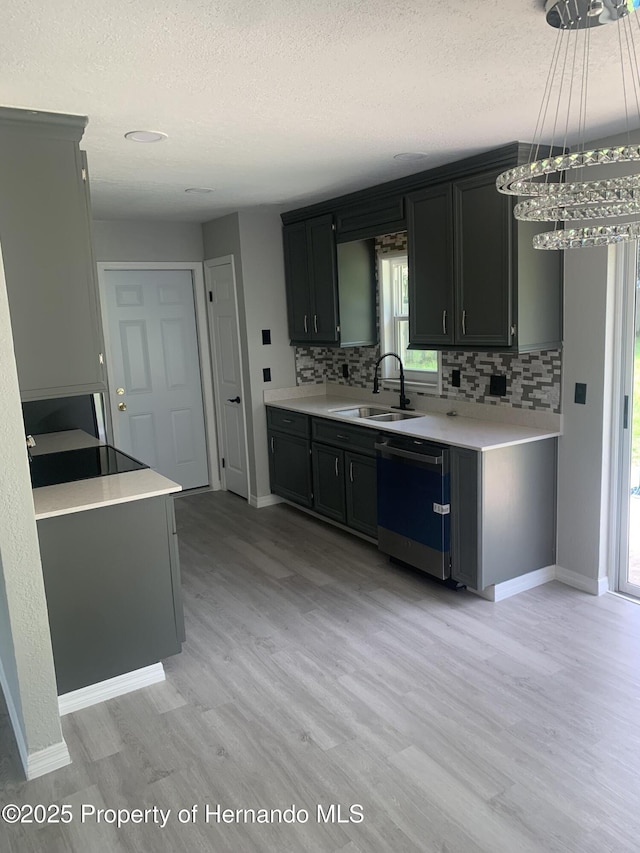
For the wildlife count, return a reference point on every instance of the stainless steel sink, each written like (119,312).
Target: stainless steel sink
(372,413)
(361,412)
(395,416)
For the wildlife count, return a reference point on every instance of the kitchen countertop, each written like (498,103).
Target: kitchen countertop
(81,495)
(470,433)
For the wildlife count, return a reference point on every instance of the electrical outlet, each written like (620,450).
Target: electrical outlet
(266,374)
(498,385)
(266,336)
(345,371)
(455,378)
(580,395)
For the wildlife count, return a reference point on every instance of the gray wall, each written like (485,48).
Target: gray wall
(221,237)
(266,308)
(161,242)
(585,473)
(255,240)
(25,645)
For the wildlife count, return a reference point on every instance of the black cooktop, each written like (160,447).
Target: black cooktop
(49,469)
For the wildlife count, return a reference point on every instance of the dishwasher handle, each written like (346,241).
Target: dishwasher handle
(408,454)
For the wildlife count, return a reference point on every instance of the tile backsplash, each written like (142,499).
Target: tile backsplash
(533,379)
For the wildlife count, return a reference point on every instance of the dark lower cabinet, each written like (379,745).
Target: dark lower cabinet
(465,469)
(112,581)
(503,512)
(328,482)
(361,493)
(290,467)
(344,487)
(311,464)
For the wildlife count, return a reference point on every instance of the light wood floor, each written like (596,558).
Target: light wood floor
(316,672)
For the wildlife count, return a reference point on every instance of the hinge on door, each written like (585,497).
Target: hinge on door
(100,358)
(223,463)
(83,172)
(514,329)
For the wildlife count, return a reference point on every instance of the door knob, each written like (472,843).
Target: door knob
(233,399)
(122,407)
(120,391)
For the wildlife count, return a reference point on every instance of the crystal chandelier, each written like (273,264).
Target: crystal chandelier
(553,187)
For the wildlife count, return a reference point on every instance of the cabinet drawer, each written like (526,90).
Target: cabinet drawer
(343,435)
(292,423)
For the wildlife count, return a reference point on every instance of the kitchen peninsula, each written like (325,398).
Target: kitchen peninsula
(111,570)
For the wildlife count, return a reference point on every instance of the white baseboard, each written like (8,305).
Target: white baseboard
(76,700)
(506,589)
(595,586)
(47,760)
(44,760)
(265,500)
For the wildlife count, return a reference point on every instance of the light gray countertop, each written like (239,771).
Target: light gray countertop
(80,495)
(470,433)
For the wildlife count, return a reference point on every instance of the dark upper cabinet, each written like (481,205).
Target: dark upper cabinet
(483,263)
(296,264)
(311,277)
(384,215)
(45,231)
(330,289)
(475,280)
(430,245)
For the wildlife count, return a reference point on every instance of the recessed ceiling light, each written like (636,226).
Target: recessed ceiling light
(410,156)
(201,190)
(145,136)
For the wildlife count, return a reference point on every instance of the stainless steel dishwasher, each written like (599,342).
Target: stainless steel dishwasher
(413,503)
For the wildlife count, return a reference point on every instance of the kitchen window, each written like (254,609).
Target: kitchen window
(420,366)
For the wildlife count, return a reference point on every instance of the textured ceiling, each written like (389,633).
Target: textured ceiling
(281,102)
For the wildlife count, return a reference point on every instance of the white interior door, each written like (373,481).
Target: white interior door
(224,333)
(154,372)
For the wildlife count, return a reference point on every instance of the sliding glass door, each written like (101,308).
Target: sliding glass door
(629,551)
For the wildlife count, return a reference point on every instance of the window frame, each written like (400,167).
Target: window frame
(389,335)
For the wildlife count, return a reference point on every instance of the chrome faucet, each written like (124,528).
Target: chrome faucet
(404,401)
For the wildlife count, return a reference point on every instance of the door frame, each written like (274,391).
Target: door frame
(206,378)
(627,258)
(220,261)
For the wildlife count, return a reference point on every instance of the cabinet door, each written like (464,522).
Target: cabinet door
(465,516)
(328,482)
(46,247)
(290,467)
(483,233)
(429,237)
(111,591)
(296,270)
(361,493)
(321,242)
